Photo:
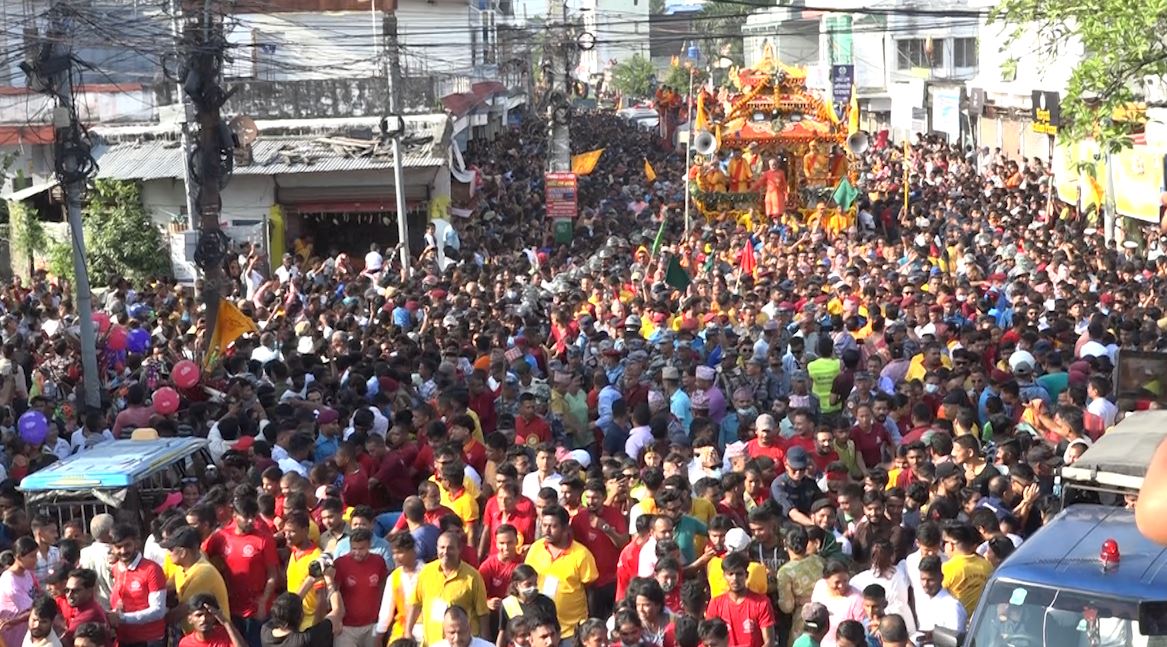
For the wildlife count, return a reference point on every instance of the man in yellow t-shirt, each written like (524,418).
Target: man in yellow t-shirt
(565,568)
(304,551)
(724,537)
(193,573)
(965,572)
(444,583)
(399,590)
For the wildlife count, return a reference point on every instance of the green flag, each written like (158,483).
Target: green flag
(660,238)
(676,276)
(845,194)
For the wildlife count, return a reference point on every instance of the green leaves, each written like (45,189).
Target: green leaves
(633,77)
(120,238)
(1123,43)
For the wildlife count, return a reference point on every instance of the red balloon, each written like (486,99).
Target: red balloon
(102,321)
(185,374)
(165,401)
(118,338)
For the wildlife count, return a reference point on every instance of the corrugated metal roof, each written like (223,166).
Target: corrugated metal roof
(274,155)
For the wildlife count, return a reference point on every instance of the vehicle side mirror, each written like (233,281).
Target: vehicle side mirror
(945,637)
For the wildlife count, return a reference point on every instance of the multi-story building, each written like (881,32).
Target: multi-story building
(312,75)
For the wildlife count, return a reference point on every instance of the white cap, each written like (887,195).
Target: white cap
(1022,361)
(736,539)
(580,456)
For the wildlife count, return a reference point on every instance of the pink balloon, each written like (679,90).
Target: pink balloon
(102,321)
(118,338)
(185,374)
(165,401)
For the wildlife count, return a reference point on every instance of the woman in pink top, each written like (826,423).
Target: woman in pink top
(18,588)
(843,601)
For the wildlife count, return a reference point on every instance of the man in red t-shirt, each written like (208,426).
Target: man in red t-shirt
(355,489)
(209,628)
(767,442)
(251,567)
(138,594)
(81,607)
(497,569)
(602,530)
(530,429)
(748,615)
(361,577)
(871,438)
(824,452)
(508,506)
(629,563)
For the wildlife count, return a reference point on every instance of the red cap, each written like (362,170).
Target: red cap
(244,443)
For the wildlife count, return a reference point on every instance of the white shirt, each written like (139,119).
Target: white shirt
(79,442)
(911,566)
(95,557)
(1104,409)
(263,354)
(532,484)
(373,261)
(943,610)
(983,549)
(292,465)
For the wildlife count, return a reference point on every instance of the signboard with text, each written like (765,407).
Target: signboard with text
(842,79)
(1047,112)
(560,192)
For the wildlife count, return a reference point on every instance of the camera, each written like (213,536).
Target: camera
(319,565)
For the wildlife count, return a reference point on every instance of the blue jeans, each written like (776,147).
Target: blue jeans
(249,627)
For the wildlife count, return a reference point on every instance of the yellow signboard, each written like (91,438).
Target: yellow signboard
(1138,183)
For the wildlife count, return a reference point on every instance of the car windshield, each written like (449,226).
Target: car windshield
(1024,615)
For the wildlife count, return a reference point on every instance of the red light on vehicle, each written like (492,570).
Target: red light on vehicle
(1109,553)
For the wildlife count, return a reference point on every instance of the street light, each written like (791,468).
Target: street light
(692,56)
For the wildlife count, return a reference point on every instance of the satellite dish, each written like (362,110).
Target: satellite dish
(245,130)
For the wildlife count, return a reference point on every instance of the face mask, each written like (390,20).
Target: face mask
(527,592)
(746,413)
(931,388)
(798,401)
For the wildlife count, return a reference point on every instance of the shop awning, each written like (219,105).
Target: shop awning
(30,192)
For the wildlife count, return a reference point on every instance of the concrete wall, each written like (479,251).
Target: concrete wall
(246,197)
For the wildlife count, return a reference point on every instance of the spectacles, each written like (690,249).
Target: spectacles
(75,590)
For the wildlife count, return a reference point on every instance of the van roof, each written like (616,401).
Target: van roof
(111,465)
(1065,555)
(1120,457)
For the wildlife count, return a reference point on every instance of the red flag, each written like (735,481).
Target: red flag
(748,263)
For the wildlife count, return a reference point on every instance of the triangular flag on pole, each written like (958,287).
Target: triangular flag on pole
(659,241)
(845,194)
(230,323)
(853,113)
(585,163)
(649,172)
(676,276)
(748,262)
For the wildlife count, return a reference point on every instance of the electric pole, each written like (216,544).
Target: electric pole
(396,132)
(183,120)
(559,88)
(213,155)
(51,72)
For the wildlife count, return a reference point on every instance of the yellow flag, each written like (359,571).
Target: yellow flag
(585,163)
(229,325)
(1093,194)
(853,113)
(649,172)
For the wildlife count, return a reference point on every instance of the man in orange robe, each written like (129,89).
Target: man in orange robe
(774,181)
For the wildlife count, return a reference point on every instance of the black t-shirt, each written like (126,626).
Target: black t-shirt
(318,635)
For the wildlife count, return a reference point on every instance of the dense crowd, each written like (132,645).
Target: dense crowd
(534,443)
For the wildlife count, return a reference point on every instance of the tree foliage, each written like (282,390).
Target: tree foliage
(721,24)
(120,237)
(678,78)
(1123,44)
(634,77)
(26,234)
